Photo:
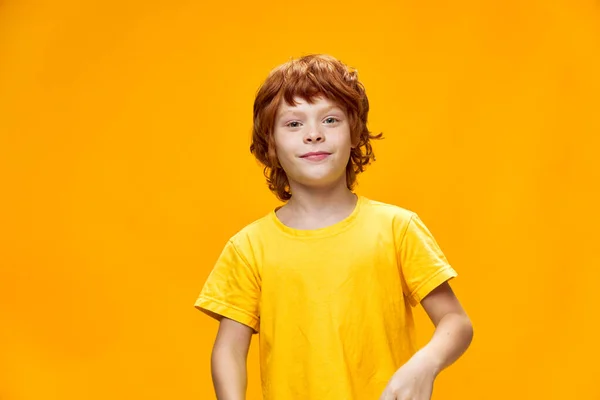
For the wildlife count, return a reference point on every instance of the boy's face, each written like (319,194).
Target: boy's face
(313,142)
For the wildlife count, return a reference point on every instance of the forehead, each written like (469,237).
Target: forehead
(319,103)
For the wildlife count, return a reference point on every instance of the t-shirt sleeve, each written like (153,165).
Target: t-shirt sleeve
(423,264)
(232,289)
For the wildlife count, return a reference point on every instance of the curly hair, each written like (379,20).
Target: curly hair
(309,77)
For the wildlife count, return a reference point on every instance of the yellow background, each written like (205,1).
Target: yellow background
(124,167)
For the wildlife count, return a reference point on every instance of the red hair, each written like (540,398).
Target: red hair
(309,77)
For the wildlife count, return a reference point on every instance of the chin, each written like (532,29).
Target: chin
(320,181)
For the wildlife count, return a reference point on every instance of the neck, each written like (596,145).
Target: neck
(320,201)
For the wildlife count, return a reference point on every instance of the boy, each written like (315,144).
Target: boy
(329,278)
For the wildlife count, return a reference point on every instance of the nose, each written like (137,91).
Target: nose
(314,136)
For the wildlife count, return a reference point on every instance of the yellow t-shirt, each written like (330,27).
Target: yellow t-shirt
(332,306)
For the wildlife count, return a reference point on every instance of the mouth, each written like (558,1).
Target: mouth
(315,156)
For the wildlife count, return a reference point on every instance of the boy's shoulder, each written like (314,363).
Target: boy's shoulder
(388,210)
(252,230)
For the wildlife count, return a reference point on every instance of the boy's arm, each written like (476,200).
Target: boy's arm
(452,337)
(453,328)
(228,360)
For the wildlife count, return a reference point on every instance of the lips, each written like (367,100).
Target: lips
(315,155)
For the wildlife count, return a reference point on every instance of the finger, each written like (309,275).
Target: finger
(387,395)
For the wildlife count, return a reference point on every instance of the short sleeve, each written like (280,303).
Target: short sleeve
(232,289)
(423,264)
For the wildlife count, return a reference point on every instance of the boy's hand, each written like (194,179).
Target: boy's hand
(413,381)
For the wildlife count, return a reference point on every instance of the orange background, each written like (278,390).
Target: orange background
(124,165)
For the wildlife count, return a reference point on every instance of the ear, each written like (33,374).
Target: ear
(354,141)
(354,136)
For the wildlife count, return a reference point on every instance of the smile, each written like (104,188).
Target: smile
(316,156)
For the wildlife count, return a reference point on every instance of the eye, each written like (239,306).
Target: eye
(293,124)
(331,120)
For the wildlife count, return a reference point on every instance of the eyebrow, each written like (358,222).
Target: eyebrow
(295,111)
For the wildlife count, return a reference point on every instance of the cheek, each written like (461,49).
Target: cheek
(344,142)
(281,147)
(283,151)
